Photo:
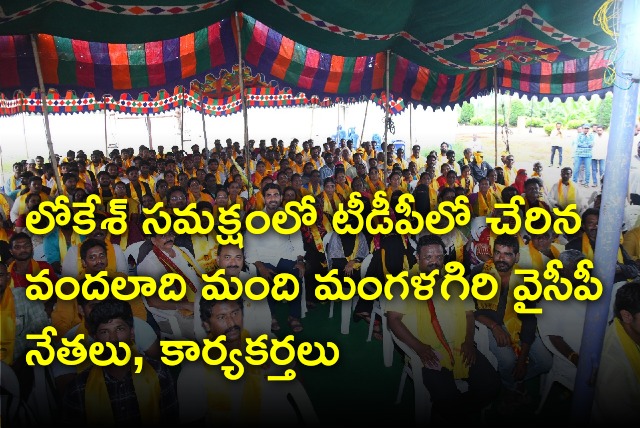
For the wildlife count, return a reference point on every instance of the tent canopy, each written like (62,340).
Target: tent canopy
(442,53)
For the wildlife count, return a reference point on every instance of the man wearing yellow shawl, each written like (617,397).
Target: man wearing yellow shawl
(95,259)
(20,205)
(208,398)
(540,250)
(509,171)
(512,339)
(116,395)
(626,268)
(564,192)
(617,391)
(483,202)
(441,332)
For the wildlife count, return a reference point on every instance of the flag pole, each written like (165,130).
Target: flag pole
(45,112)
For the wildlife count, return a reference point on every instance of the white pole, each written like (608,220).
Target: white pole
(386,119)
(204,127)
(182,125)
(147,121)
(106,142)
(45,112)
(410,128)
(364,122)
(495,105)
(24,133)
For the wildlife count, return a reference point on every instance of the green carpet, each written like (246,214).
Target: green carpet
(360,391)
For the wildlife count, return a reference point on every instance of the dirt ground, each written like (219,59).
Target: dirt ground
(526,148)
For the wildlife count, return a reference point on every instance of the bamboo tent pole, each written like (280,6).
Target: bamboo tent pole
(45,113)
(243,99)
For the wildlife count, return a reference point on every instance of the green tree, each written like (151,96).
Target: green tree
(603,114)
(517,109)
(466,113)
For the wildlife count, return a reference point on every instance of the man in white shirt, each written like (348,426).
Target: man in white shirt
(273,253)
(475,144)
(158,257)
(565,192)
(257,315)
(598,154)
(557,144)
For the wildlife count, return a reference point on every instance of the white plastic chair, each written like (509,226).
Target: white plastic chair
(42,399)
(303,403)
(11,394)
(38,253)
(347,305)
(14,410)
(133,250)
(413,369)
(481,337)
(562,371)
(167,321)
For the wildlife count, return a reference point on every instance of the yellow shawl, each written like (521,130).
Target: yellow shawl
(8,326)
(147,387)
(511,320)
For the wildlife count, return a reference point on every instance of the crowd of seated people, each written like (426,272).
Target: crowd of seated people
(267,178)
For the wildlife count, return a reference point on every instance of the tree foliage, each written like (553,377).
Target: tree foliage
(466,113)
(603,114)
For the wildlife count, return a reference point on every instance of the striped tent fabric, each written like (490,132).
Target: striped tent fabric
(114,68)
(271,97)
(278,72)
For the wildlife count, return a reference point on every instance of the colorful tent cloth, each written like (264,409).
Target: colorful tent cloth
(537,48)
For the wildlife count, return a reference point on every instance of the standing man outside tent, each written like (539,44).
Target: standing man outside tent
(557,144)
(582,155)
(598,154)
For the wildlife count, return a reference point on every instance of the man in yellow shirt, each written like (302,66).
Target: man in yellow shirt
(442,334)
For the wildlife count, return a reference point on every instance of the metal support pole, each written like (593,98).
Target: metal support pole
(45,112)
(386,118)
(204,127)
(182,125)
(364,121)
(147,121)
(410,128)
(106,141)
(24,133)
(614,193)
(495,105)
(311,128)
(338,127)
